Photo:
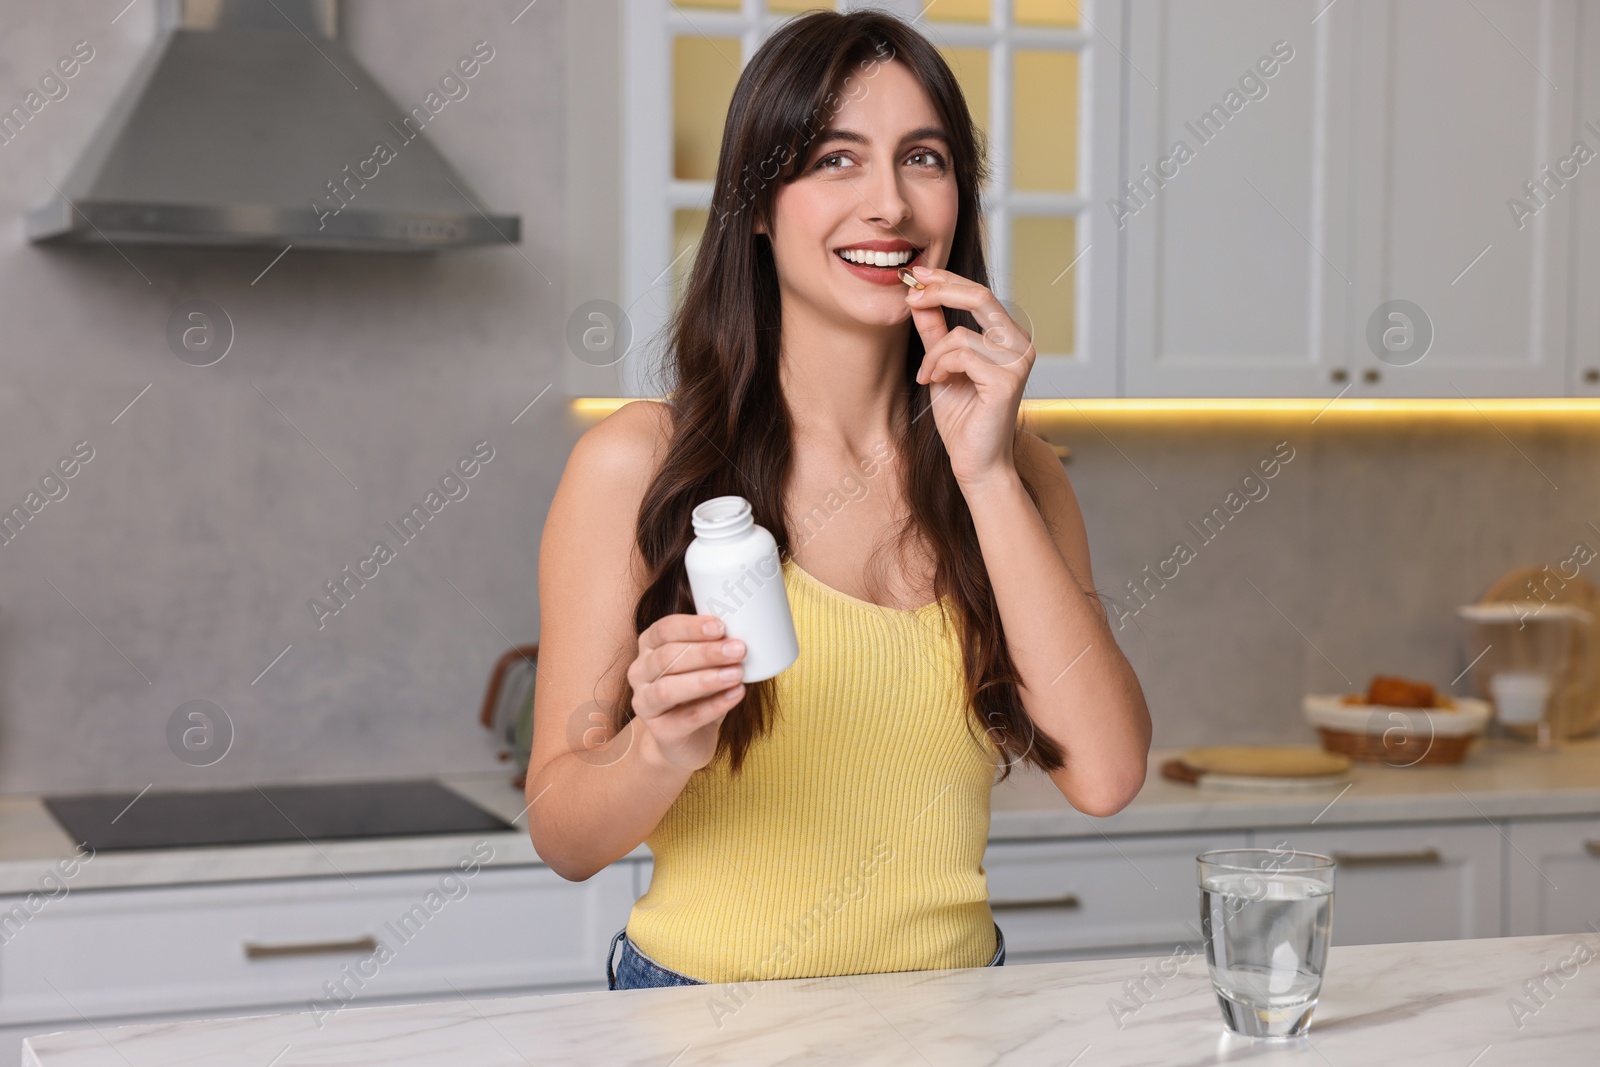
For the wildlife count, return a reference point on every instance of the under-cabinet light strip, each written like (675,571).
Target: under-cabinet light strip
(1315,406)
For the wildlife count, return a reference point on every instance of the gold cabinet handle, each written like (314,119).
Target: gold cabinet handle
(1593,848)
(1069,902)
(1428,856)
(364,945)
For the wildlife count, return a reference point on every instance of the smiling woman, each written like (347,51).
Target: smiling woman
(947,621)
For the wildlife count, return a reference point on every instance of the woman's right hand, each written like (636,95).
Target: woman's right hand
(685,680)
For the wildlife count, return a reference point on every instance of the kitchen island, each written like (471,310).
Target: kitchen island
(1482,1003)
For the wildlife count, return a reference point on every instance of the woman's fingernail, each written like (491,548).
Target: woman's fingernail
(730,673)
(922,272)
(732,648)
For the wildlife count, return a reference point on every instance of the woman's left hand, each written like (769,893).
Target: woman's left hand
(977,378)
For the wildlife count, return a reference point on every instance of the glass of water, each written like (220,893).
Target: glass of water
(1266,914)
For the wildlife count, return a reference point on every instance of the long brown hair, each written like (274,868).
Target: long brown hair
(731,431)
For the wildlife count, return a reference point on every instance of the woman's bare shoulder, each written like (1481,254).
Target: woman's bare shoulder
(626,444)
(588,544)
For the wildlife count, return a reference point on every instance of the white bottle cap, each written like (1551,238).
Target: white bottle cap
(722,516)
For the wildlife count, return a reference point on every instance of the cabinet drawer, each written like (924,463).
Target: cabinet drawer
(310,944)
(1062,896)
(1424,882)
(1550,853)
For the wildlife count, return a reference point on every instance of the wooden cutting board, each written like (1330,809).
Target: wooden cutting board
(1284,764)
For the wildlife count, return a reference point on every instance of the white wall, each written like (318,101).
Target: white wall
(205,522)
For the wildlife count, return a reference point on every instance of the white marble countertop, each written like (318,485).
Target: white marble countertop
(1433,1004)
(1497,780)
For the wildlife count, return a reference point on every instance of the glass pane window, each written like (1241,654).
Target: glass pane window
(688,224)
(1044,175)
(1059,13)
(704,72)
(1044,131)
(971,67)
(956,10)
(777,7)
(1041,251)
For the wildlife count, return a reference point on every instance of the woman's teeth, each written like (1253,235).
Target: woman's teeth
(876,259)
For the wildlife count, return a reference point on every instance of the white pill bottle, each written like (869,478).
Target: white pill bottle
(736,575)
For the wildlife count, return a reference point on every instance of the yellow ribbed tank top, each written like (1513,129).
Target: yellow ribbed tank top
(852,839)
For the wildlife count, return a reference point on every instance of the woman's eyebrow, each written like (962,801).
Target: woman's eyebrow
(924,133)
(841,135)
(921,133)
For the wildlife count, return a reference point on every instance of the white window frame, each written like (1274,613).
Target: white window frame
(651,195)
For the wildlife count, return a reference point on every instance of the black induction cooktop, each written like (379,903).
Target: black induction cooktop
(263,814)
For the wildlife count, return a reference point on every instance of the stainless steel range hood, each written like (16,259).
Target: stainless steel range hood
(249,124)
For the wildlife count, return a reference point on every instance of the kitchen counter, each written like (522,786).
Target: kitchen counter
(33,843)
(1498,780)
(1445,1003)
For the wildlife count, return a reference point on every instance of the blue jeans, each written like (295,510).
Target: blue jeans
(637,971)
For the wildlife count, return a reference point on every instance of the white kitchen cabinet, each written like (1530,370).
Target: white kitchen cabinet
(1238,259)
(1422,882)
(1457,106)
(1119,896)
(1553,876)
(641,878)
(1585,372)
(1378,166)
(143,952)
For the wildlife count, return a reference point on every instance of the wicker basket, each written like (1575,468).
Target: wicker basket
(1402,751)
